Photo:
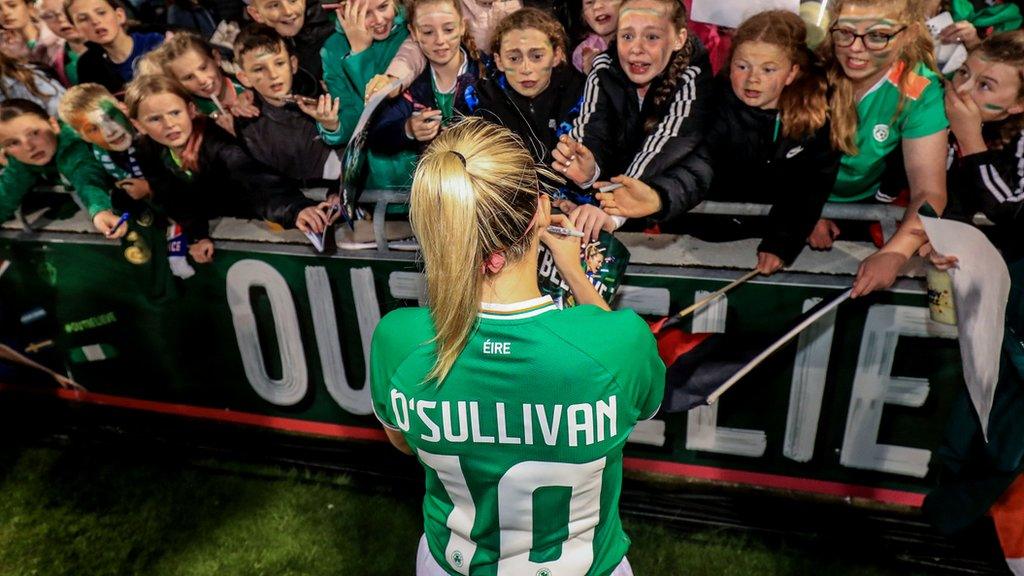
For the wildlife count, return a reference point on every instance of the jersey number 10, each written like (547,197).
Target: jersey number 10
(515,514)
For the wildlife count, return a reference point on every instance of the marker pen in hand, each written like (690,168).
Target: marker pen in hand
(561,231)
(120,222)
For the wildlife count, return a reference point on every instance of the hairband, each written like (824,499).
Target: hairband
(460,157)
(495,261)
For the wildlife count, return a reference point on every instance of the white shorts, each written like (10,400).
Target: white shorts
(427,566)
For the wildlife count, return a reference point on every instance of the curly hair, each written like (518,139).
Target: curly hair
(531,18)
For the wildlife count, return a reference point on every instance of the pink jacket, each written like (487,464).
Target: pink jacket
(409,62)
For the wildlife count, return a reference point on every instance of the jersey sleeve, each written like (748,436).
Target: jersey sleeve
(396,337)
(644,375)
(927,114)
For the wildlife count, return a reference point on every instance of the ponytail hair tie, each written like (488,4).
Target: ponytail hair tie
(460,157)
(493,263)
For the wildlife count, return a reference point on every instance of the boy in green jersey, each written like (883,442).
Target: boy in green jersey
(518,411)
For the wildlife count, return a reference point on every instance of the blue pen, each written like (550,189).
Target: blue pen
(124,218)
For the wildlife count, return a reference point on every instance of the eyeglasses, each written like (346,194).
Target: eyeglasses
(871,40)
(49,16)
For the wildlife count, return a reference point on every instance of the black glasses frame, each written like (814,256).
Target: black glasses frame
(863,38)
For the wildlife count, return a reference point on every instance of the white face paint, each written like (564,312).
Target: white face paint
(106,132)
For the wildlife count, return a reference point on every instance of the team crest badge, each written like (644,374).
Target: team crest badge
(457,559)
(880,132)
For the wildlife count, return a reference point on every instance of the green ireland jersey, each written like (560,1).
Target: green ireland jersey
(880,131)
(522,443)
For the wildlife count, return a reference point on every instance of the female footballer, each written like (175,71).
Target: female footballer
(517,411)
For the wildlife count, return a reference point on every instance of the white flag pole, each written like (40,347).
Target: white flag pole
(713,397)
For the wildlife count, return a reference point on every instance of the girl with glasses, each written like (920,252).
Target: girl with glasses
(887,110)
(65,61)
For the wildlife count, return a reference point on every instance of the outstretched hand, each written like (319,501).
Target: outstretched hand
(633,199)
(574,160)
(324,110)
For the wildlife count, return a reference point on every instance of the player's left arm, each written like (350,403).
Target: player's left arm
(398,441)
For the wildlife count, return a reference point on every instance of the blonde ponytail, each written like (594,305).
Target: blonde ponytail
(474,193)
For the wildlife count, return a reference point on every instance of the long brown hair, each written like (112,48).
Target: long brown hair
(917,48)
(474,193)
(1008,48)
(21,73)
(803,105)
(676,66)
(149,85)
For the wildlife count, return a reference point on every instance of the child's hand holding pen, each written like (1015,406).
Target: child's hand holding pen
(323,109)
(424,125)
(110,224)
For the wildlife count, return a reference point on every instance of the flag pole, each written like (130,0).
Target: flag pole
(716,294)
(713,397)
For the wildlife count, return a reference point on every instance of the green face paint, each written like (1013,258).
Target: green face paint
(994,108)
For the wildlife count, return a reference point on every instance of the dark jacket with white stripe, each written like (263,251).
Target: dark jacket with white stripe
(672,158)
(992,182)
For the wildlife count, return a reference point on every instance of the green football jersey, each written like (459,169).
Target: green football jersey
(522,443)
(880,131)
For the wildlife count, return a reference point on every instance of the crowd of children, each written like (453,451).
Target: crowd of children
(195,124)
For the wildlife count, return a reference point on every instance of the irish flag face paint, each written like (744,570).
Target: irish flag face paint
(994,87)
(105,126)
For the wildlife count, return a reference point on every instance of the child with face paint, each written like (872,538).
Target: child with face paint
(65,61)
(197,171)
(100,120)
(285,134)
(642,120)
(601,17)
(191,61)
(537,93)
(39,150)
(985,106)
(370,35)
(480,19)
(26,81)
(112,50)
(770,143)
(405,125)
(886,99)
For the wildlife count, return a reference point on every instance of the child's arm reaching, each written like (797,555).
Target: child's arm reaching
(407,64)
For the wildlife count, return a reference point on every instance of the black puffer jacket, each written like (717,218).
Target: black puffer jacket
(671,158)
(285,139)
(539,120)
(229,182)
(753,162)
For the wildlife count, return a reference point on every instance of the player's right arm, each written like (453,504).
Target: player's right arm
(398,441)
(566,252)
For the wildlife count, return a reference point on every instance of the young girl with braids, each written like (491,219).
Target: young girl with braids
(642,121)
(197,171)
(770,143)
(494,356)
(886,106)
(445,88)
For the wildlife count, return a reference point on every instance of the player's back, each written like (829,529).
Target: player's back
(523,441)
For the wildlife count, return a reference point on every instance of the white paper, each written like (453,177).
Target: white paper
(951,56)
(316,240)
(732,13)
(981,286)
(369,108)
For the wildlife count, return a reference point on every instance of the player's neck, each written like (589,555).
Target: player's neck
(515,283)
